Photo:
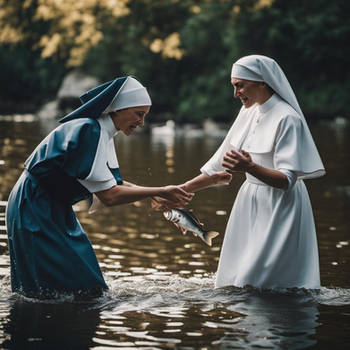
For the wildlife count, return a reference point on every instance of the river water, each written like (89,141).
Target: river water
(161,293)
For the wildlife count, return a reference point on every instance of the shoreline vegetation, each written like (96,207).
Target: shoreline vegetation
(181,50)
(161,118)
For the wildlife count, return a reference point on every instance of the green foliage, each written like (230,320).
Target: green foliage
(307,38)
(125,49)
(206,91)
(26,79)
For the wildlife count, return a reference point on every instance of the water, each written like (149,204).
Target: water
(161,283)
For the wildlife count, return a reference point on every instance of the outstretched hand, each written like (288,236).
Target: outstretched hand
(177,195)
(222,178)
(172,197)
(237,161)
(160,204)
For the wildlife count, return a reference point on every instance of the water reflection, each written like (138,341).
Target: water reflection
(184,312)
(219,319)
(278,321)
(35,325)
(161,283)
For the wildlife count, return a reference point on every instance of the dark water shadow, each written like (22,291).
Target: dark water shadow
(45,325)
(225,318)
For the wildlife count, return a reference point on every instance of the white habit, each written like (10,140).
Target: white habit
(270,239)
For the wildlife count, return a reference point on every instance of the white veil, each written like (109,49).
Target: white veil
(303,157)
(262,68)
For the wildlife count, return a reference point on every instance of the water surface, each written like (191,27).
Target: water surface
(161,283)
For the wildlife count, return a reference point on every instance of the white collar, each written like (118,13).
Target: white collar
(269,104)
(107,124)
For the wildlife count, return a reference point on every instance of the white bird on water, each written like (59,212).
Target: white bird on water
(168,129)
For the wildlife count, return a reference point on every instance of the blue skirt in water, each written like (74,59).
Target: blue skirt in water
(49,251)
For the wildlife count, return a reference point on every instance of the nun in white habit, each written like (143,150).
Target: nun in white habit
(270,240)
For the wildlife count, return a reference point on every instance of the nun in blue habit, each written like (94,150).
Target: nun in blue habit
(49,251)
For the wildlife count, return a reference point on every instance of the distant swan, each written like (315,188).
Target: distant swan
(168,129)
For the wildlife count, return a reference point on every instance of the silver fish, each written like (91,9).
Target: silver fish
(188,221)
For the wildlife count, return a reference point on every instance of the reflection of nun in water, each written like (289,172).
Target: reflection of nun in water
(50,326)
(276,321)
(49,251)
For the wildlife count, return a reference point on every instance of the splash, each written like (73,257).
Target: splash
(333,296)
(5,287)
(142,285)
(140,292)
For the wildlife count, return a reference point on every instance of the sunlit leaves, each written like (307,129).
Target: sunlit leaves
(73,25)
(263,3)
(169,47)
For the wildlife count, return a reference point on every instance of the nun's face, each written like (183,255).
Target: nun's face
(128,119)
(249,92)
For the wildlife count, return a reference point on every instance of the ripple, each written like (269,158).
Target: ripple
(139,311)
(5,283)
(133,285)
(18,118)
(334,297)
(111,342)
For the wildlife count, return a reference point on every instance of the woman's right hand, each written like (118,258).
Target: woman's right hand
(222,178)
(177,196)
(238,161)
(160,204)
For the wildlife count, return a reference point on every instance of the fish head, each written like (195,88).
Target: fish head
(167,214)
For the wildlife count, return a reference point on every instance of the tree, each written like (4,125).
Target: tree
(309,40)
(40,40)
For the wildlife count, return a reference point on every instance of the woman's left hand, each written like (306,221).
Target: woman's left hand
(237,161)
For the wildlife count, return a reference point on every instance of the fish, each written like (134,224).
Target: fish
(188,221)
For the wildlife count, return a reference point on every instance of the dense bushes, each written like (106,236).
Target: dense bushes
(182,50)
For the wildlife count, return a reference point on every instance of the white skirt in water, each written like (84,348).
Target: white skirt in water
(270,240)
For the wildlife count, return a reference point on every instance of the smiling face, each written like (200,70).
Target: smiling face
(128,119)
(250,92)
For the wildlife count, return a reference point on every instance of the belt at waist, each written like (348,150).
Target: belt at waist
(60,186)
(253,180)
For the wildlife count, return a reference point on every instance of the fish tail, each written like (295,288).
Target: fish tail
(209,236)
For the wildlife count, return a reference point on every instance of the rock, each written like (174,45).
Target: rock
(75,84)
(49,110)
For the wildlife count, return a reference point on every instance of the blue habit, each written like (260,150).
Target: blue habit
(49,251)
